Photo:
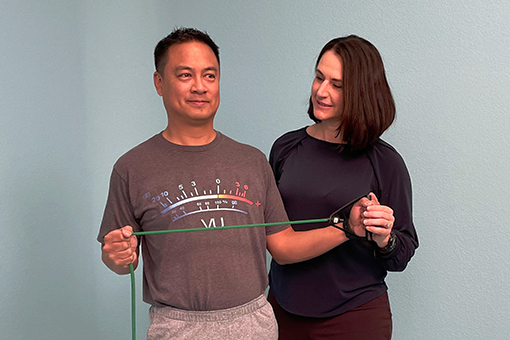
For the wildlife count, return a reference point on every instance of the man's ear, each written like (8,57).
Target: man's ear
(158,83)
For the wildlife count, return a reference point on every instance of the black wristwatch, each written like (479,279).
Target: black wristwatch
(392,243)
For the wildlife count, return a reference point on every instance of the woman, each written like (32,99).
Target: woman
(342,294)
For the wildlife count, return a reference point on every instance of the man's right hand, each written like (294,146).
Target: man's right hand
(120,249)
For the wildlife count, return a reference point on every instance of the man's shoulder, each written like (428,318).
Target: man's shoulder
(139,152)
(236,146)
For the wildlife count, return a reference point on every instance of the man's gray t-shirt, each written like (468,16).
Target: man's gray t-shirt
(159,185)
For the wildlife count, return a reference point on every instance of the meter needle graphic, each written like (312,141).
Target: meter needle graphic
(194,201)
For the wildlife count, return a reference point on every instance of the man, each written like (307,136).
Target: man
(200,285)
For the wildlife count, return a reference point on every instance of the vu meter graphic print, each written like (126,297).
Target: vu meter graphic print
(196,199)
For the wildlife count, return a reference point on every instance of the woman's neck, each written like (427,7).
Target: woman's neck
(325,132)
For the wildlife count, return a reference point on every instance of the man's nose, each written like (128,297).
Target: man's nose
(199,86)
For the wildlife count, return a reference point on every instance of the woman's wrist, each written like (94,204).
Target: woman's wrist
(390,244)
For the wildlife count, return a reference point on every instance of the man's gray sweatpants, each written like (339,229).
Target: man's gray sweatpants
(254,320)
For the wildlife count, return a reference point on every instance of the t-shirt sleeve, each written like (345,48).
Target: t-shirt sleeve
(274,210)
(119,209)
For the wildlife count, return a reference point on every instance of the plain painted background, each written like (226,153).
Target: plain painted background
(76,92)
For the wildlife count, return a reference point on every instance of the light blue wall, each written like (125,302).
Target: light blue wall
(76,92)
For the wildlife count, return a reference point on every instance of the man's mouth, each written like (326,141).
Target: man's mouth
(197,101)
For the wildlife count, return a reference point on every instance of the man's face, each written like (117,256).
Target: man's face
(190,84)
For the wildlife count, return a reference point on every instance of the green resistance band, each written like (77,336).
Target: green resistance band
(336,217)
(142,233)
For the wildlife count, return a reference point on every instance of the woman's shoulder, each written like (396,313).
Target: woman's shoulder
(283,146)
(386,156)
(290,138)
(384,148)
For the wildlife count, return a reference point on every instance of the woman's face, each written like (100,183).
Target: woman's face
(327,96)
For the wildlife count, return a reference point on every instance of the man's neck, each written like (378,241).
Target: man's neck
(192,136)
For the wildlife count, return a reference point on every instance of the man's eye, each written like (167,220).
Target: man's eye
(319,79)
(210,76)
(185,75)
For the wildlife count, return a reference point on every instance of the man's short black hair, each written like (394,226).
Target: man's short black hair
(179,36)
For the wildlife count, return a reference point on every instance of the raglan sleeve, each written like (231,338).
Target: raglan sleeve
(276,159)
(397,194)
